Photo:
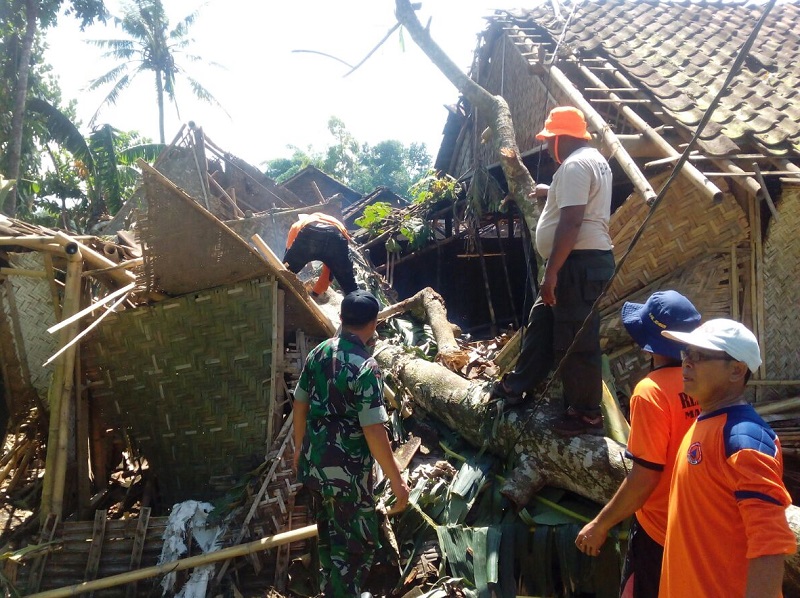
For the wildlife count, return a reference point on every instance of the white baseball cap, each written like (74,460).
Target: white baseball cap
(725,335)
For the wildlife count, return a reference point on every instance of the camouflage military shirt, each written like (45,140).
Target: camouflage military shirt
(343,386)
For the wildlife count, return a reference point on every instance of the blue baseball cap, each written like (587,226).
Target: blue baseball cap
(663,310)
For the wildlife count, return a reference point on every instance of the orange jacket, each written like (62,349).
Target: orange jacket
(324,280)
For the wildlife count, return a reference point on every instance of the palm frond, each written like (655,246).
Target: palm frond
(62,130)
(110,76)
(112,96)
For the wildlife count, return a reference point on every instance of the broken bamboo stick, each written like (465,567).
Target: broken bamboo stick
(266,543)
(91,308)
(23,272)
(86,330)
(96,259)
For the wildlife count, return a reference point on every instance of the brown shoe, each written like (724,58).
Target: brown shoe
(575,423)
(509,397)
(594,425)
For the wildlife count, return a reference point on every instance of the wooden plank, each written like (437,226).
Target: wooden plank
(287,434)
(82,439)
(96,549)
(37,568)
(138,546)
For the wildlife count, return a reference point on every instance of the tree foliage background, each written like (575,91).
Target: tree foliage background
(361,166)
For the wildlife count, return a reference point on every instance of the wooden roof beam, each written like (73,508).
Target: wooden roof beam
(640,182)
(697,179)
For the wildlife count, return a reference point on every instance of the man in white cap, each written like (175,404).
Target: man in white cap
(727,533)
(661,413)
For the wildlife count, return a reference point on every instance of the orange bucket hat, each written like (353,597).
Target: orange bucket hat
(564,120)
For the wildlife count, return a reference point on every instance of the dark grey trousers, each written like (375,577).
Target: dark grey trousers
(551,330)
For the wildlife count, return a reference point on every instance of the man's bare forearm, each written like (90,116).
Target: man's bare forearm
(765,576)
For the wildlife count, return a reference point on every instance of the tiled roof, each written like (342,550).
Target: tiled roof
(680,54)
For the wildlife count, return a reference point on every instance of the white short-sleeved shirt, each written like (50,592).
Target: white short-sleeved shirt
(584,178)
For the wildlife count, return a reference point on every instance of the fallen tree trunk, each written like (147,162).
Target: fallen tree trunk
(589,466)
(520,183)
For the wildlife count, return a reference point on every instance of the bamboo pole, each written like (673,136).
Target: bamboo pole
(51,280)
(61,391)
(640,182)
(108,298)
(266,543)
(759,282)
(695,177)
(126,265)
(96,260)
(36,243)
(23,272)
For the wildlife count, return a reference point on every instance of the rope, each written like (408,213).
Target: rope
(735,67)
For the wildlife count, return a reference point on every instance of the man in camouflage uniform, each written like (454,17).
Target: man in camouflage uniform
(339,418)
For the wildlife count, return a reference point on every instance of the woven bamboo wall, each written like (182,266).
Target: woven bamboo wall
(185,247)
(27,307)
(782,291)
(190,378)
(685,227)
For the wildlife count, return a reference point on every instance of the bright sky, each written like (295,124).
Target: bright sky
(276,97)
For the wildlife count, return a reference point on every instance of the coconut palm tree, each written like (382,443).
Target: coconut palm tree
(21,23)
(151,47)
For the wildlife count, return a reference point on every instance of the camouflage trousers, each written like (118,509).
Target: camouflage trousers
(348,539)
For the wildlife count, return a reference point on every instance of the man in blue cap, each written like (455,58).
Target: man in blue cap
(339,418)
(661,413)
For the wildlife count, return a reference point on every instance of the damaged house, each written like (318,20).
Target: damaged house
(179,343)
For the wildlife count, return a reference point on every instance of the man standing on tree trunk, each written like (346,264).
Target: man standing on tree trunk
(661,413)
(727,533)
(572,236)
(339,418)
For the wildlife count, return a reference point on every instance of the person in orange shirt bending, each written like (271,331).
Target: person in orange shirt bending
(321,237)
(727,533)
(661,413)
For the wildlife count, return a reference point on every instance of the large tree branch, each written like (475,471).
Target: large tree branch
(520,182)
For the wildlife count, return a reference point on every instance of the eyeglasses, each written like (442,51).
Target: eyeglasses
(696,356)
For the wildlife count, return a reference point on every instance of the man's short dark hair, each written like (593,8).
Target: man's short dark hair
(359,308)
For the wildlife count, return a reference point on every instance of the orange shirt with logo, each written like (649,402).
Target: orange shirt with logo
(661,413)
(727,505)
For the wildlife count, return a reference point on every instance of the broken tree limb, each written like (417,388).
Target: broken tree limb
(520,183)
(194,561)
(428,305)
(591,467)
